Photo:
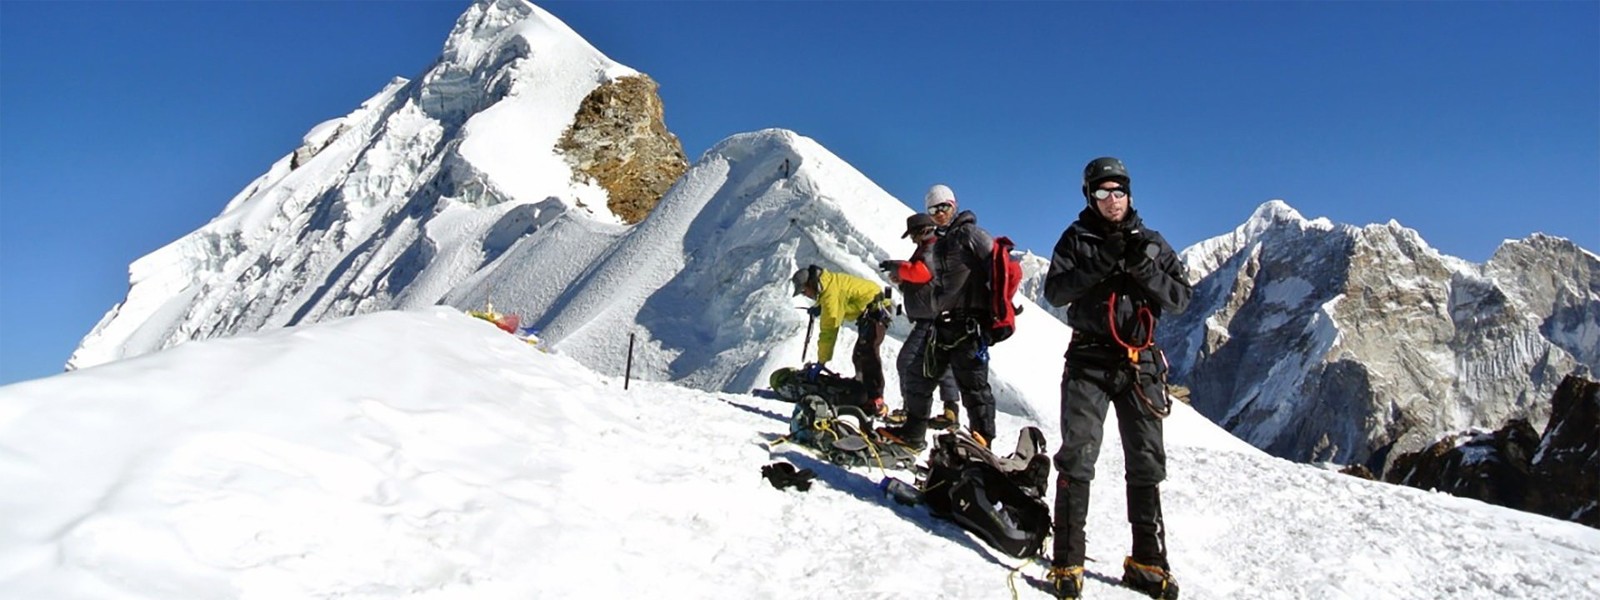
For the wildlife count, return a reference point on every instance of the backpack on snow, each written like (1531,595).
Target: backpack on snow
(1001,500)
(790,385)
(843,435)
(1005,276)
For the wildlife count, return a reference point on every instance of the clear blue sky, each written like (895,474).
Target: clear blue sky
(126,125)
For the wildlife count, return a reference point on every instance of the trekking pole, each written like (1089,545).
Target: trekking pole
(627,372)
(811,321)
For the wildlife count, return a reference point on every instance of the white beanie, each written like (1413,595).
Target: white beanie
(938,194)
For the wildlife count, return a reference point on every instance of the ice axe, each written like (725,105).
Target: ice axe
(811,321)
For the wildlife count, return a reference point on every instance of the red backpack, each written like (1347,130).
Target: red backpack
(1005,276)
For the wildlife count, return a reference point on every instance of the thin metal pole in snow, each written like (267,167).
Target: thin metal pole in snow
(627,373)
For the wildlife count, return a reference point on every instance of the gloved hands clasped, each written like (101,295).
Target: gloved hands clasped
(1140,250)
(1130,249)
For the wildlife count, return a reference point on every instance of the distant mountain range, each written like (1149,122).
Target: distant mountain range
(1325,342)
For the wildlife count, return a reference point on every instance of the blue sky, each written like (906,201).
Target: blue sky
(126,125)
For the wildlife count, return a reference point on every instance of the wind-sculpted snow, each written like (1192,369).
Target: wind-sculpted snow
(1334,343)
(426,454)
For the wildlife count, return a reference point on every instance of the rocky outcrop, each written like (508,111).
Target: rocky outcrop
(1360,471)
(1567,463)
(1487,466)
(1556,474)
(619,138)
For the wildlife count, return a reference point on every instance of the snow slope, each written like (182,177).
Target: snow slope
(425,454)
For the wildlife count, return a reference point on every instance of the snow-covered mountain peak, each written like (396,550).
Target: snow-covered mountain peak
(414,192)
(488,24)
(1272,215)
(1274,210)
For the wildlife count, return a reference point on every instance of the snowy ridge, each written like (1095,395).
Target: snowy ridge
(1321,342)
(702,282)
(425,454)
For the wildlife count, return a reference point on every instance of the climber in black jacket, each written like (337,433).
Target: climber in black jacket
(1117,278)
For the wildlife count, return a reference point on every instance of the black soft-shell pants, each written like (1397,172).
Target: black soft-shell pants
(955,344)
(1088,386)
(870,329)
(909,364)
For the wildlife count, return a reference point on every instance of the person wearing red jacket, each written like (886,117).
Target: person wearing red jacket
(912,277)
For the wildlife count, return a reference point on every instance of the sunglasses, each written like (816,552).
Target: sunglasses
(941,209)
(1102,194)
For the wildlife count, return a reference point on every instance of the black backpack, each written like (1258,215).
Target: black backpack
(1001,500)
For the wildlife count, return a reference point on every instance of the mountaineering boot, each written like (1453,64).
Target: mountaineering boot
(1154,581)
(1064,581)
(944,420)
(980,419)
(908,435)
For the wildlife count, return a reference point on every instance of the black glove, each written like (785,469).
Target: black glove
(1116,244)
(891,266)
(814,310)
(1133,254)
(1141,250)
(782,475)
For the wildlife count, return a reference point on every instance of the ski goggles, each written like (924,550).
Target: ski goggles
(1102,194)
(941,209)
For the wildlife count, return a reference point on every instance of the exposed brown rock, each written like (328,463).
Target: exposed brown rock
(1492,467)
(1358,471)
(620,139)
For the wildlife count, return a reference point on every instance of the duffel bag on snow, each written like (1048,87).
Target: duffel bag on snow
(1001,500)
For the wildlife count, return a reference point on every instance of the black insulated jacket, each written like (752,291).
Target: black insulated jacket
(1085,275)
(959,261)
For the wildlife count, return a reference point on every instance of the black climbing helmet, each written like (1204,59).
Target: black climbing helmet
(1104,168)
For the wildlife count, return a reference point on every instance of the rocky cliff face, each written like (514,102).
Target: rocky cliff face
(619,138)
(1555,474)
(1324,342)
